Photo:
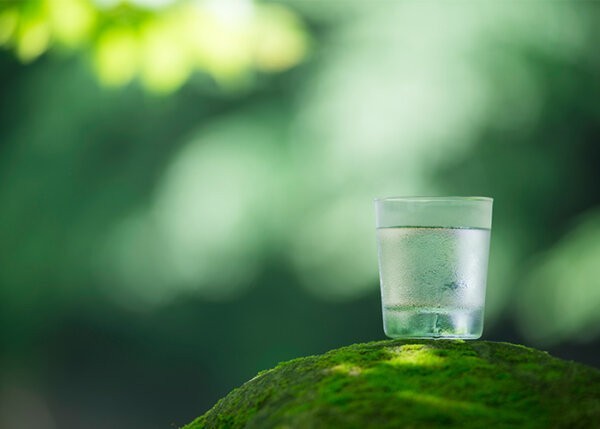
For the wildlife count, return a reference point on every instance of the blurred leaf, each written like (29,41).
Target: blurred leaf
(160,41)
(165,62)
(33,37)
(116,55)
(72,21)
(280,38)
(8,24)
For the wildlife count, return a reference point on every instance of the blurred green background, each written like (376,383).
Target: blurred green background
(186,187)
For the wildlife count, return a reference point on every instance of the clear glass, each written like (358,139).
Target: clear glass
(433,258)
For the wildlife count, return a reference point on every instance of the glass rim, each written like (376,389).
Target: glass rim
(424,199)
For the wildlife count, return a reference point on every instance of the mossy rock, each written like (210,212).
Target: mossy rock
(416,384)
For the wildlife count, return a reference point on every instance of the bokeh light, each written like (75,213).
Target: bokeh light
(160,41)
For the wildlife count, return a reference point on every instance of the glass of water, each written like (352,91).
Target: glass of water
(433,258)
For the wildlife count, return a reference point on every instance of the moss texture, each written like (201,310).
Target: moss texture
(415,384)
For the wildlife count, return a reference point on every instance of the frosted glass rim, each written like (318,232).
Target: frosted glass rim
(424,199)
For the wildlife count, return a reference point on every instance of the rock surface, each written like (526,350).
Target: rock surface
(415,384)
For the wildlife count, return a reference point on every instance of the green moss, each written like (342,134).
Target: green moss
(424,384)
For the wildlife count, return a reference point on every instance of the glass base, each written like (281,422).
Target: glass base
(423,322)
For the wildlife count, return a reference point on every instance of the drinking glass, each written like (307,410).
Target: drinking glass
(433,258)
